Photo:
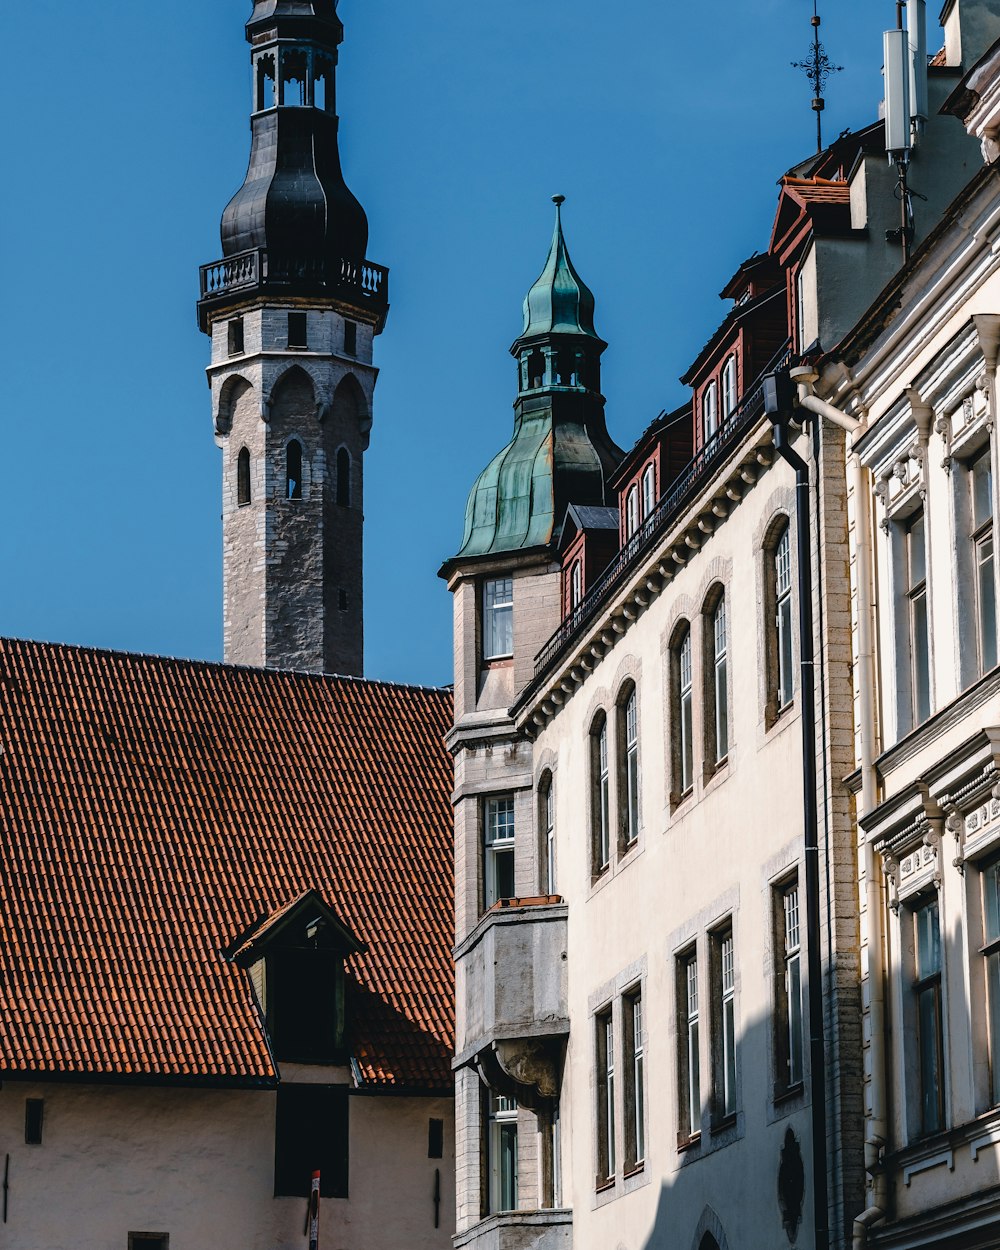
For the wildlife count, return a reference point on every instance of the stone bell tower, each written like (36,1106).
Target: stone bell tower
(292,310)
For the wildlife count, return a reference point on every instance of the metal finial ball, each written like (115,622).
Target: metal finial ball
(559,199)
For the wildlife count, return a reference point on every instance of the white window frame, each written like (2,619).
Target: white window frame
(727,1023)
(720,679)
(498,618)
(498,840)
(792,959)
(691,1042)
(631,512)
(782,573)
(685,707)
(918,613)
(648,490)
(637,1064)
(575,584)
(729,396)
(503,1130)
(710,412)
(633,801)
(602,796)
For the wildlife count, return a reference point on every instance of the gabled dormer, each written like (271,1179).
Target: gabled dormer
(295,960)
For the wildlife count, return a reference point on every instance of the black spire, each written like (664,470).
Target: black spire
(294,227)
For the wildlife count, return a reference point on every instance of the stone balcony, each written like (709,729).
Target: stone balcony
(512,987)
(520,1230)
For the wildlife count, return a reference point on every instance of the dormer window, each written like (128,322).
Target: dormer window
(631,512)
(729,389)
(648,490)
(296,967)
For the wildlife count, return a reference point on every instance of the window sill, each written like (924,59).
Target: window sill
(638,1170)
(498,661)
(602,1187)
(787,1093)
(724,1124)
(688,1143)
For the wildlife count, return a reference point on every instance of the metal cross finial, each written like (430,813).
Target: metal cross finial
(817,67)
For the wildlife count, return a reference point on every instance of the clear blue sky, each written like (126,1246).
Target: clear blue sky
(665,124)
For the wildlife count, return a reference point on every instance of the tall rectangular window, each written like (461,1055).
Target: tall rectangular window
(548,814)
(710,412)
(783,617)
(502,1148)
(499,842)
(981,509)
(576,584)
(686,710)
(498,618)
(297,330)
(729,388)
(720,673)
(916,596)
(630,770)
(236,340)
(631,512)
(648,490)
(605,1098)
(724,1006)
(311,1134)
(991,954)
(927,993)
(600,795)
(350,338)
(788,988)
(689,1057)
(635,1081)
(34,1110)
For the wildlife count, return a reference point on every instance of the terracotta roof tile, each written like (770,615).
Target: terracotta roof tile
(817,190)
(152,810)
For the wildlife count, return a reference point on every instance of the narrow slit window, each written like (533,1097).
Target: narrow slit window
(350,338)
(435,1139)
(293,470)
(343,478)
(685,719)
(236,339)
(720,676)
(783,618)
(34,1111)
(243,478)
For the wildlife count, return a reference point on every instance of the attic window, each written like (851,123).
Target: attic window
(305,1004)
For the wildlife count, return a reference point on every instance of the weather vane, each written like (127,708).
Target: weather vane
(817,67)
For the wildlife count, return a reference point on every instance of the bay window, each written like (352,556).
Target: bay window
(502,1152)
(499,849)
(498,618)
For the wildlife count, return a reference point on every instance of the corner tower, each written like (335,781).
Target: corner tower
(292,309)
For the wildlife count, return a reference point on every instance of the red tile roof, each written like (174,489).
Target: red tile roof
(809,191)
(151,810)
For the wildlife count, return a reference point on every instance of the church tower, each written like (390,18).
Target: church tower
(292,310)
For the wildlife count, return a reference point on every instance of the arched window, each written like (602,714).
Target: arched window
(600,813)
(729,388)
(720,681)
(631,512)
(784,681)
(547,825)
(536,370)
(243,478)
(576,584)
(293,470)
(343,478)
(628,767)
(709,412)
(684,713)
(648,490)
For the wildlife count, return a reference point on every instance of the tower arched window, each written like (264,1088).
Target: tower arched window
(243,478)
(293,470)
(536,370)
(343,478)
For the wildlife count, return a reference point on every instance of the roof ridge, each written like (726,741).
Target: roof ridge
(197,662)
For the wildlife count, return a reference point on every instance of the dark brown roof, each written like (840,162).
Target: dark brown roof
(152,810)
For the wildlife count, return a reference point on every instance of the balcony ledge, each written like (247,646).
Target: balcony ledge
(520,1230)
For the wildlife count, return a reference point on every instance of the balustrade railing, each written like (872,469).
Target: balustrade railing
(664,514)
(260,267)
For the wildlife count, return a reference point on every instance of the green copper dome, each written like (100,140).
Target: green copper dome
(560,302)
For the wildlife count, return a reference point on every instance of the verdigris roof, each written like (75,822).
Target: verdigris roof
(559,302)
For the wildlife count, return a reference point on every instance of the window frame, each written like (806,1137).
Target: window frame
(600,795)
(294,491)
(715,701)
(683,711)
(688,1048)
(634,1080)
(990,951)
(709,412)
(983,552)
(547,825)
(725,1049)
(927,986)
(298,331)
(917,619)
(789,1002)
(495,846)
(629,777)
(236,337)
(783,683)
(728,388)
(631,512)
(607,1163)
(576,584)
(501,609)
(244,485)
(648,489)
(503,1187)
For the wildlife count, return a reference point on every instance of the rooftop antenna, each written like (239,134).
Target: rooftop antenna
(817,67)
(896,71)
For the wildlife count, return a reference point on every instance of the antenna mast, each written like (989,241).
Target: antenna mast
(817,67)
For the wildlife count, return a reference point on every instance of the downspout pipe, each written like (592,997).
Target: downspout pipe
(877,1131)
(779,397)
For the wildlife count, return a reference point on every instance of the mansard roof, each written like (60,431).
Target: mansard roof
(154,812)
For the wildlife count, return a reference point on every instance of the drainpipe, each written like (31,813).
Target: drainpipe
(778,404)
(876,1136)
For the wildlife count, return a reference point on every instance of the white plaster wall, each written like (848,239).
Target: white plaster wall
(199,1165)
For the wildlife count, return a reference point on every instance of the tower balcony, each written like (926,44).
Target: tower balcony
(512,982)
(361,284)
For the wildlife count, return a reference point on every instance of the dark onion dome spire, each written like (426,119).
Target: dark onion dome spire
(294,224)
(561,452)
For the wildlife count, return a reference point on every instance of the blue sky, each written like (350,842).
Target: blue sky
(665,125)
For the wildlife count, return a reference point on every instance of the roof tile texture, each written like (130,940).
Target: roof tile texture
(152,809)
